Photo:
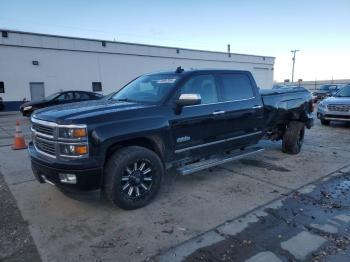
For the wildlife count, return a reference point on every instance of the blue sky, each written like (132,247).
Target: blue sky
(320,29)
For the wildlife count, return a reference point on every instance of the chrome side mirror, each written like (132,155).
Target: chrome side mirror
(189,100)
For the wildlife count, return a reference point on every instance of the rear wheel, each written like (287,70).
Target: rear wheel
(132,177)
(325,122)
(293,137)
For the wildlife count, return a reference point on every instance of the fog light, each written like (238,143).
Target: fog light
(68,178)
(80,150)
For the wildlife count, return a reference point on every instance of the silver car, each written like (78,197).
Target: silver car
(336,107)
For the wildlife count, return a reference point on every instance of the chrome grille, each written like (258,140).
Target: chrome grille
(46,130)
(45,146)
(45,136)
(339,108)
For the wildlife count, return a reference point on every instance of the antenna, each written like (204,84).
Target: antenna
(179,70)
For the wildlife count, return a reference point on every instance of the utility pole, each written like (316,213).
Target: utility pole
(294,52)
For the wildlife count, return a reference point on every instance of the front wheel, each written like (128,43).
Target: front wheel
(27,113)
(293,137)
(325,122)
(132,177)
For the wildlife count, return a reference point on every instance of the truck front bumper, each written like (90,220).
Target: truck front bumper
(88,177)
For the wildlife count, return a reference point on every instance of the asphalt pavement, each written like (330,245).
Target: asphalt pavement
(82,227)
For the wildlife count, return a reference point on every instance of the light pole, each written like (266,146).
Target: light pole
(294,52)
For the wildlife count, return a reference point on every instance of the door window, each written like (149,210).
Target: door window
(66,97)
(236,87)
(204,85)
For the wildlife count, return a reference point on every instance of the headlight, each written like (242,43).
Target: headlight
(27,108)
(74,141)
(73,150)
(322,105)
(72,133)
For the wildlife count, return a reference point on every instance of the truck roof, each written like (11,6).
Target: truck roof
(181,71)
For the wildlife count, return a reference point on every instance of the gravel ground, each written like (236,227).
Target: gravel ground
(16,243)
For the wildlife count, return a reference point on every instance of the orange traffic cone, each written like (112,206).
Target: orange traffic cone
(18,142)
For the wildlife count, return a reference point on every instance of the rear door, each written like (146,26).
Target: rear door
(81,96)
(244,113)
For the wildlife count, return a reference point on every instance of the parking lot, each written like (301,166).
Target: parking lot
(82,227)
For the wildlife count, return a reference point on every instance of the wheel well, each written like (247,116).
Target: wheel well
(150,143)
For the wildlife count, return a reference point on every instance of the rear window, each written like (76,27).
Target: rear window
(82,96)
(236,87)
(326,88)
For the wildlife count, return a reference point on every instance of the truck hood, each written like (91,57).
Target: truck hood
(73,112)
(337,100)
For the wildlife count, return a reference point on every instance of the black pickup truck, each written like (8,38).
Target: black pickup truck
(187,120)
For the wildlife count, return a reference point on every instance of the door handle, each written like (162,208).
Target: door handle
(257,107)
(215,113)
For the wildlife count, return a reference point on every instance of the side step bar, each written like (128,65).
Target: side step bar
(198,166)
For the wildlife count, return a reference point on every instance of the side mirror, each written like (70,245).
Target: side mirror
(189,100)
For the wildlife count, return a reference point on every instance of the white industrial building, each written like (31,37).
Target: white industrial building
(34,65)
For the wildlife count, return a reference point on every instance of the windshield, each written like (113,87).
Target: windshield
(147,89)
(52,96)
(107,97)
(344,92)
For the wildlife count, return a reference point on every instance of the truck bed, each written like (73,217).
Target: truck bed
(280,104)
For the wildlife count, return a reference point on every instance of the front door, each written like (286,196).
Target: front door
(195,129)
(65,98)
(37,91)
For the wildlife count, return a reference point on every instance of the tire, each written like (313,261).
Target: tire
(27,114)
(293,137)
(325,122)
(121,175)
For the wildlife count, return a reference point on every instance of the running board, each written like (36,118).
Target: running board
(198,166)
